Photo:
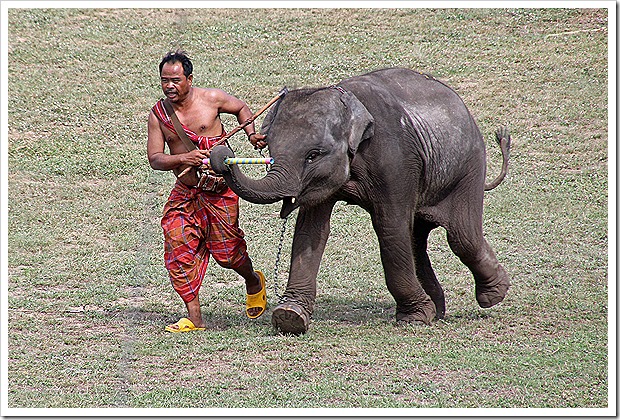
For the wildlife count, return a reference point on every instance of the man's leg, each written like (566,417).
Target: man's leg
(194,313)
(252,281)
(226,241)
(185,257)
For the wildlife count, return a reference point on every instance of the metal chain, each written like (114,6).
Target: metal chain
(268,166)
(278,255)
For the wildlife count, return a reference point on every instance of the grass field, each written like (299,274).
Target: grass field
(88,295)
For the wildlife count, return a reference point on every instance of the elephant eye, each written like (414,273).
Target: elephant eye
(312,156)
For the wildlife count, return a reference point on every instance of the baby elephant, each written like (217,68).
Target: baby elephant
(404,147)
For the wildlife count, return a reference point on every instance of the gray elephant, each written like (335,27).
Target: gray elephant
(404,147)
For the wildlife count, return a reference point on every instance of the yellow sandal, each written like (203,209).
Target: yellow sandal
(183,325)
(257,300)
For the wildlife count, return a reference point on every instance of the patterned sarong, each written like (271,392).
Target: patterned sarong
(197,224)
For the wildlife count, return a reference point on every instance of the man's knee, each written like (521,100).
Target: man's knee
(231,261)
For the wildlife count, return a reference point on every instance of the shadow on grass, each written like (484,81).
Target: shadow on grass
(360,312)
(218,321)
(346,311)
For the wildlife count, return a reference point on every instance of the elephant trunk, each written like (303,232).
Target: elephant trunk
(275,186)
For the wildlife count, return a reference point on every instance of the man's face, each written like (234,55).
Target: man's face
(174,83)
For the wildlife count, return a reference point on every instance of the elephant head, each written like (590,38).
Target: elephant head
(312,135)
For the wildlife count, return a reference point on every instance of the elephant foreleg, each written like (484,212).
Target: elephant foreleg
(395,242)
(292,315)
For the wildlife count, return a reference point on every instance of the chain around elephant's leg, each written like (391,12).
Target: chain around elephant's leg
(292,315)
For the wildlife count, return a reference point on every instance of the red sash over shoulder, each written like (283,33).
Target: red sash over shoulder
(202,142)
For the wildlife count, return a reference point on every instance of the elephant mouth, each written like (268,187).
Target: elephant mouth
(288,205)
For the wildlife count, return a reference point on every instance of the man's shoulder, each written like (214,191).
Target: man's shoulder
(210,98)
(210,93)
(158,105)
(158,110)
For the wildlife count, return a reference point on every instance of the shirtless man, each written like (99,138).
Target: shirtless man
(199,223)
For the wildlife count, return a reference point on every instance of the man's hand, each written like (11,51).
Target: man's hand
(258,140)
(195,157)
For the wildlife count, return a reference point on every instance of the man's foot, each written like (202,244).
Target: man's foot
(256,303)
(183,325)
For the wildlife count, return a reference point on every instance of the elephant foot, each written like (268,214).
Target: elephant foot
(491,295)
(290,318)
(422,314)
(440,309)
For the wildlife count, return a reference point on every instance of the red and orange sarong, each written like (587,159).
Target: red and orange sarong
(198,224)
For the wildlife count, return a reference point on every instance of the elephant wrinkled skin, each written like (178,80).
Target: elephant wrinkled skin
(404,147)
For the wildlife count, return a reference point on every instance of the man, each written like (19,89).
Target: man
(198,223)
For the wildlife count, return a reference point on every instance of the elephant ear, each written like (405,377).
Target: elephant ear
(362,123)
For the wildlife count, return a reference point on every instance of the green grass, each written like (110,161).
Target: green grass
(88,294)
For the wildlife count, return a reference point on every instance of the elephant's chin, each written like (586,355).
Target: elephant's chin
(289,204)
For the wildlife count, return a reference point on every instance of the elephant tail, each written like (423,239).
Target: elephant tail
(502,136)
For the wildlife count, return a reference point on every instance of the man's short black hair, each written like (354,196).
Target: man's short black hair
(178,56)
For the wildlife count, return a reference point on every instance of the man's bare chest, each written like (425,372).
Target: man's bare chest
(199,126)
(202,122)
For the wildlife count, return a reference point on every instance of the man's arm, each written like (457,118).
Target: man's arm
(232,105)
(155,150)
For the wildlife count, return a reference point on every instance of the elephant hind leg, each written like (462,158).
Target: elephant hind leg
(424,270)
(413,304)
(466,240)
